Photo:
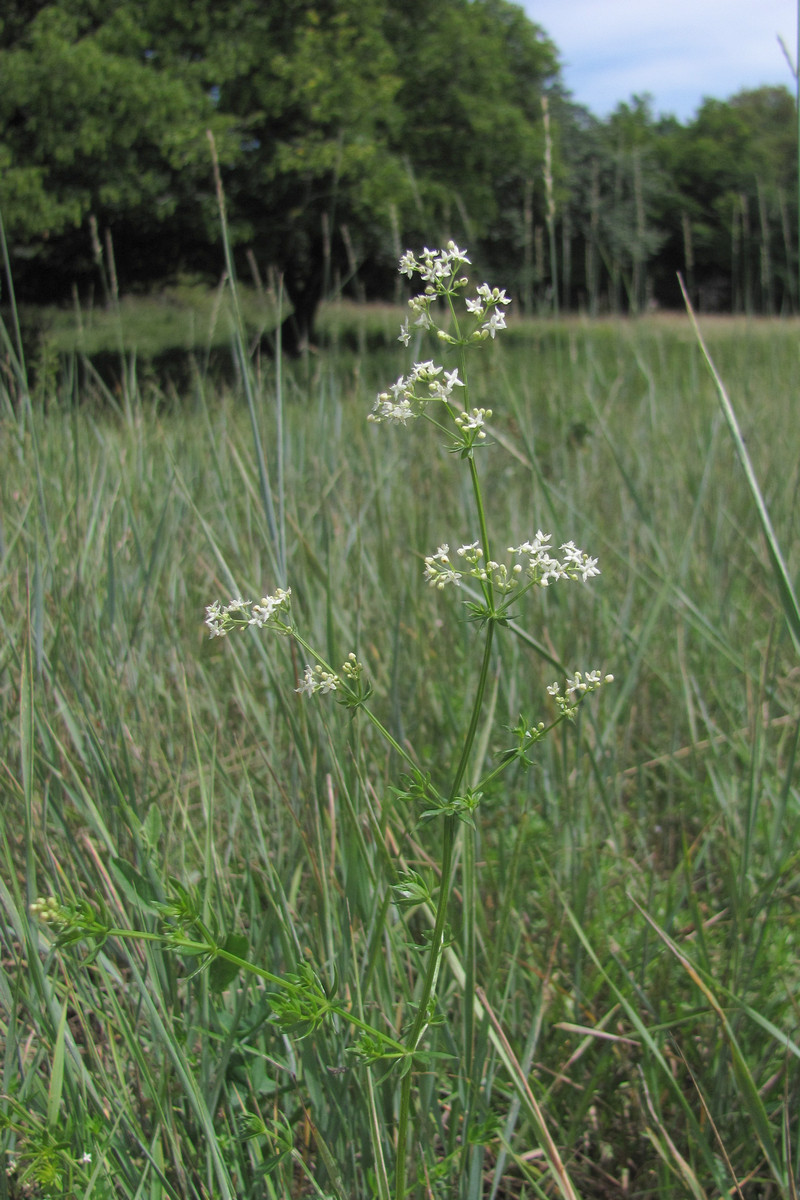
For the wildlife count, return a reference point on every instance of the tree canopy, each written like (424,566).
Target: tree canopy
(340,125)
(348,129)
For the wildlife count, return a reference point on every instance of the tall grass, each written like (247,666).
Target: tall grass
(636,915)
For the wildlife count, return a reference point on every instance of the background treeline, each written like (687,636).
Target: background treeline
(348,129)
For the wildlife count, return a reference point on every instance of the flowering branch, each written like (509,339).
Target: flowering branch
(460,319)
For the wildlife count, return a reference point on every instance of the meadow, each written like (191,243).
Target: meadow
(624,912)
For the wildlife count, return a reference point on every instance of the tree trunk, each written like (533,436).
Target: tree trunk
(304,290)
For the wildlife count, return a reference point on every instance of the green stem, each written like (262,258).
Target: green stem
(421,1019)
(382,730)
(437,945)
(187,946)
(337,1009)
(476,489)
(485,780)
(437,942)
(469,873)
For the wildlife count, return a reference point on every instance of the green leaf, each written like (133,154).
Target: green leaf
(153,825)
(136,888)
(780,570)
(57,1074)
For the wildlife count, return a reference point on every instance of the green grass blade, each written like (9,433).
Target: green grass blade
(789,601)
(57,1072)
(748,1091)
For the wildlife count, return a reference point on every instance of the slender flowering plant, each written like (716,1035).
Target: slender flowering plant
(461,317)
(471,316)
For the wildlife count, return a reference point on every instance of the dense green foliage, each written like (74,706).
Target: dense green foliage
(339,126)
(347,131)
(135,751)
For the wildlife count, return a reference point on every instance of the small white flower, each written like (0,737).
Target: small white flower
(317,679)
(438,571)
(215,620)
(474,420)
(492,296)
(401,413)
(308,685)
(405,336)
(539,543)
(397,389)
(439,578)
(457,255)
(408,264)
(496,321)
(424,371)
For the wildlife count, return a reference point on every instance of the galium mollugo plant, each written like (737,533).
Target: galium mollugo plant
(460,317)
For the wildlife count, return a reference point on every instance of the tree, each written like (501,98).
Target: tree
(88,131)
(341,125)
(734,167)
(313,185)
(617,190)
(376,119)
(473,75)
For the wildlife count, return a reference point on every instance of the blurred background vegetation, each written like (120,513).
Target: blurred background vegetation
(347,131)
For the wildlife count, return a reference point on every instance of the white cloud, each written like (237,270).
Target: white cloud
(678,50)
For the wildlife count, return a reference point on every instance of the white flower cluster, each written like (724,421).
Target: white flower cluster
(316,679)
(576,688)
(434,266)
(438,570)
(499,574)
(542,568)
(473,422)
(238,614)
(407,398)
(319,679)
(486,299)
(48,910)
(440,272)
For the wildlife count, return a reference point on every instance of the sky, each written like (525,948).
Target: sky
(679,51)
